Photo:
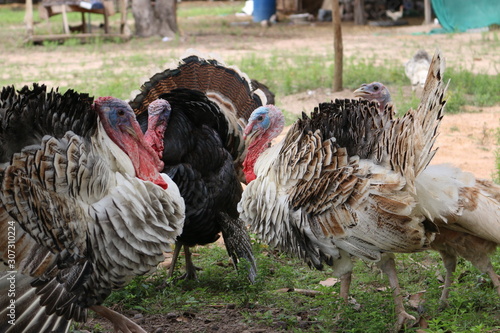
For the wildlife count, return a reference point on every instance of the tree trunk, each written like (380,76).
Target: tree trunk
(160,19)
(359,12)
(166,13)
(337,46)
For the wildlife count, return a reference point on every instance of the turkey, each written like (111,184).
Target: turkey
(375,91)
(84,206)
(395,15)
(466,210)
(203,149)
(416,69)
(342,182)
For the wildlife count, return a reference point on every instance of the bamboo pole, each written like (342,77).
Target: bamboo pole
(337,46)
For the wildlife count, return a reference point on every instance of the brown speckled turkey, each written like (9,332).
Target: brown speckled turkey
(342,182)
(466,209)
(82,197)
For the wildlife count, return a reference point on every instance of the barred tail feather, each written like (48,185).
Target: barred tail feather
(27,315)
(238,243)
(410,140)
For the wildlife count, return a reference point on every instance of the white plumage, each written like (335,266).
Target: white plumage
(416,69)
(89,216)
(342,182)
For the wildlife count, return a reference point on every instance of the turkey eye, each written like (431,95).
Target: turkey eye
(260,118)
(375,88)
(121,112)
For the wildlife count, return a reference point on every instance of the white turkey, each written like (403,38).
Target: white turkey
(466,209)
(416,69)
(395,15)
(82,196)
(203,148)
(342,182)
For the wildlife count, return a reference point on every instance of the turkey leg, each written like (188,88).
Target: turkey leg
(120,322)
(388,266)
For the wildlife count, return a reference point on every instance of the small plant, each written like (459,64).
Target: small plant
(496,176)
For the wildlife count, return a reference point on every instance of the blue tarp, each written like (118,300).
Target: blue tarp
(463,15)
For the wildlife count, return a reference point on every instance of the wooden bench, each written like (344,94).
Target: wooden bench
(49,8)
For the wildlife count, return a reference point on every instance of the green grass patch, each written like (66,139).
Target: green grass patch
(295,73)
(473,306)
(224,9)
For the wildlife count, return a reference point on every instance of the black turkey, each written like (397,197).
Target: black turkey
(203,149)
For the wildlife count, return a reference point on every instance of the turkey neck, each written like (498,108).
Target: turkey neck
(144,159)
(255,149)
(154,138)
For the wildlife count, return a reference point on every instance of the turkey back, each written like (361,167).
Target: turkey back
(28,114)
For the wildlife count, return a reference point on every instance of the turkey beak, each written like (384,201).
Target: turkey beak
(361,92)
(130,130)
(249,133)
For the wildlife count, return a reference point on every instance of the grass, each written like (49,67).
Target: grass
(474,305)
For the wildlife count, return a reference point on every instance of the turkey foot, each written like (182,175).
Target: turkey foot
(120,322)
(190,267)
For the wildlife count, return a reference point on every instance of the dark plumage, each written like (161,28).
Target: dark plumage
(204,149)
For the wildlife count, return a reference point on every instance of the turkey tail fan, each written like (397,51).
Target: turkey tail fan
(24,120)
(226,86)
(222,83)
(238,243)
(410,151)
(265,89)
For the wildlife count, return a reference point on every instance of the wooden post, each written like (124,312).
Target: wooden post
(124,30)
(359,12)
(28,18)
(427,12)
(65,20)
(337,46)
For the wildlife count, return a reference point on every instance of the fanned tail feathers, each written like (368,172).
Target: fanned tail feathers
(24,120)
(226,86)
(409,151)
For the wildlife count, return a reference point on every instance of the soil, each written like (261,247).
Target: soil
(467,140)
